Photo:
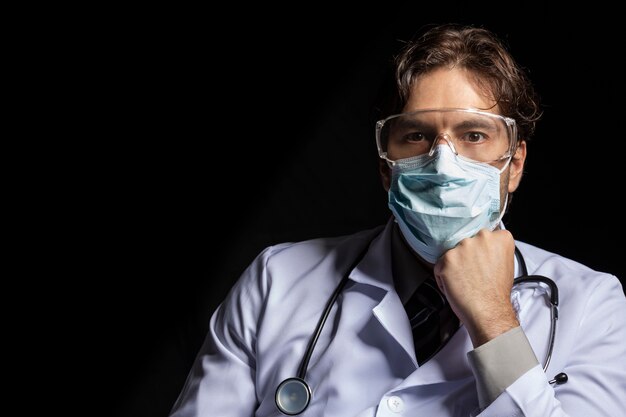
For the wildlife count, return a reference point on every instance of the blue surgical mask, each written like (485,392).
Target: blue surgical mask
(440,199)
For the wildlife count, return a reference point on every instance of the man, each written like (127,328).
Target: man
(421,316)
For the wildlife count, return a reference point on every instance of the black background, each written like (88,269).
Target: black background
(244,126)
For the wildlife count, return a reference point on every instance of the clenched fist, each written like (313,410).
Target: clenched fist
(477,276)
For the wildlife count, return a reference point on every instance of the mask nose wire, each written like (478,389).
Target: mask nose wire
(450,143)
(448,140)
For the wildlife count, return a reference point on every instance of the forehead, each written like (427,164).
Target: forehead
(448,88)
(451,119)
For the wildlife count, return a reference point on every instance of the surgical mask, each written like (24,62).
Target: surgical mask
(440,199)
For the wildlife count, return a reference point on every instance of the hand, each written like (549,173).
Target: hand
(476,277)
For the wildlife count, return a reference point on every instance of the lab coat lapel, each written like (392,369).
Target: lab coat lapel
(392,316)
(375,270)
(450,363)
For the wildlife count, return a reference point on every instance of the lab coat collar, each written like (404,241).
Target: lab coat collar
(375,270)
(375,267)
(517,269)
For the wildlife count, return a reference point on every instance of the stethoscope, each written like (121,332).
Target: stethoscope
(293,395)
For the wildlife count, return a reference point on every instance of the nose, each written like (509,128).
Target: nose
(438,138)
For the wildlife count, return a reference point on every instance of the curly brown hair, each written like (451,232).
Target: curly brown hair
(484,55)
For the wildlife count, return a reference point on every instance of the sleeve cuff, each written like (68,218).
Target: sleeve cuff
(499,363)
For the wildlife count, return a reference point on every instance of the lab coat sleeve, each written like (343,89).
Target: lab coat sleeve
(222,379)
(500,362)
(595,365)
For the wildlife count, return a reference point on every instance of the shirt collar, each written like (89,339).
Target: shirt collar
(408,272)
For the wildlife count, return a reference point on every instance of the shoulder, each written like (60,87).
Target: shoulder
(537,258)
(567,273)
(284,266)
(306,253)
(288,275)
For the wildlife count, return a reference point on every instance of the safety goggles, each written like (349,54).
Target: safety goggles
(472,134)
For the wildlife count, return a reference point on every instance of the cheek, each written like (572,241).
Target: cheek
(504,187)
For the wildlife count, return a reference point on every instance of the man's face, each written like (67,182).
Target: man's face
(455,88)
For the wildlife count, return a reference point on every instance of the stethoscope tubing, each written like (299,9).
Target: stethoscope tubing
(554,301)
(298,389)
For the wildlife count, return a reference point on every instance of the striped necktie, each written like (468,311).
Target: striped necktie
(431,318)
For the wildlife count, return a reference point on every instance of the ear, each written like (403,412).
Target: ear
(385,174)
(517,166)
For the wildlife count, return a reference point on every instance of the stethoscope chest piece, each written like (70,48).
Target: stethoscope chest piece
(293,396)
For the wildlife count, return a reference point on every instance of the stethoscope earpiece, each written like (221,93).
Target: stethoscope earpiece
(293,396)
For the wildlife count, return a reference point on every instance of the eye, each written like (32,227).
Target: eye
(474,137)
(414,137)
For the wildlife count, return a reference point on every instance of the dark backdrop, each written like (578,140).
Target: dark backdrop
(254,126)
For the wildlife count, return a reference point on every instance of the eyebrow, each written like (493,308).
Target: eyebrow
(410,123)
(465,124)
(474,124)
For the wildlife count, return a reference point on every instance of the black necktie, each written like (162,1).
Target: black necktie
(432,320)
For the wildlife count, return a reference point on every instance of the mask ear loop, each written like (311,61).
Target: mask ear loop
(506,198)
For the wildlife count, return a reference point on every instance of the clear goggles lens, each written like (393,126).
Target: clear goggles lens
(472,134)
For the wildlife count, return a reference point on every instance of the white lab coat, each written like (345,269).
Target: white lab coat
(364,362)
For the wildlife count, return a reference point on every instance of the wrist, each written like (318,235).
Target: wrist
(485,328)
